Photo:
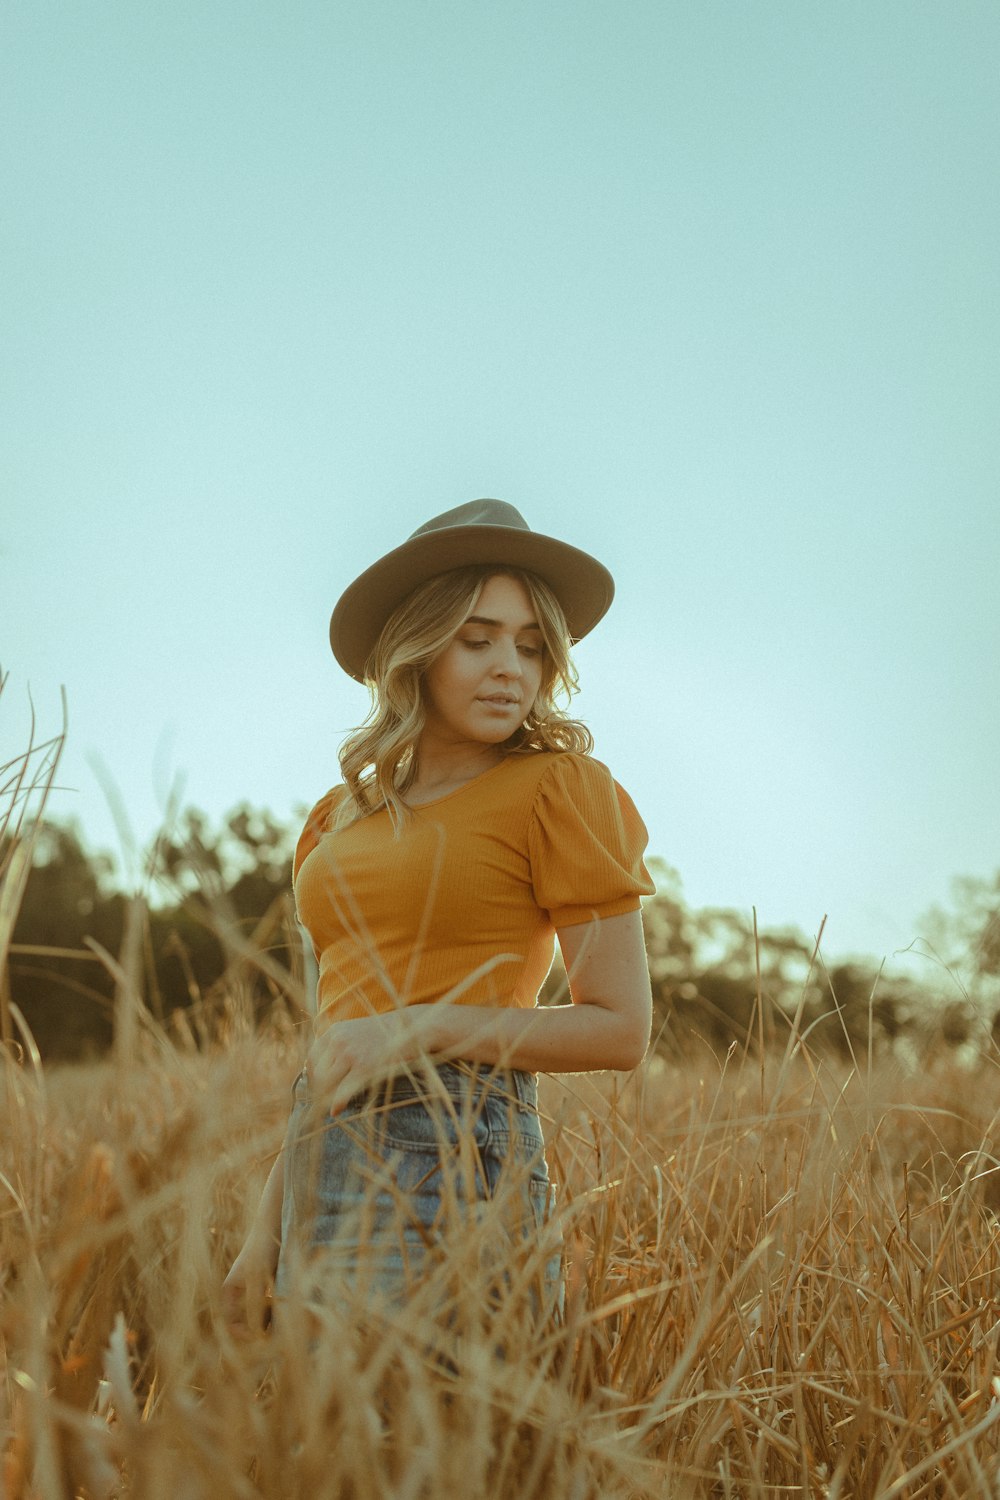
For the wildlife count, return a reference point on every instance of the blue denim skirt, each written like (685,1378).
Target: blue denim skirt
(382,1193)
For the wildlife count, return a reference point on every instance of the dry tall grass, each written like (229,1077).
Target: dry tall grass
(782,1280)
(776,1286)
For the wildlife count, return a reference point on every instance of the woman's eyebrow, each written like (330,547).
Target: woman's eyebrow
(484,620)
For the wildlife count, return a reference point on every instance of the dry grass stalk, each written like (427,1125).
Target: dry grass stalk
(803,1301)
(25,783)
(783,1279)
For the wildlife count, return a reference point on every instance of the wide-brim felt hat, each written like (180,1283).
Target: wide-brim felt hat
(483,531)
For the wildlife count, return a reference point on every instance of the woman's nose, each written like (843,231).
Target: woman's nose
(508,663)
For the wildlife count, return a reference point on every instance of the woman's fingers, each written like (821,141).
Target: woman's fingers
(246,1304)
(350,1056)
(342,1094)
(234,1309)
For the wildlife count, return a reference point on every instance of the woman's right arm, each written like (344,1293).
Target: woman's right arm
(246,1291)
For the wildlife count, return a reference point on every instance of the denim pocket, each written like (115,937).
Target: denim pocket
(431,1123)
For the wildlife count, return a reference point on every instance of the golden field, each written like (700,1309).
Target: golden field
(782,1279)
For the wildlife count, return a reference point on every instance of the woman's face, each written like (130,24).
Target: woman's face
(482,686)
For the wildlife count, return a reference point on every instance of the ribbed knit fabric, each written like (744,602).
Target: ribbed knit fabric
(463,906)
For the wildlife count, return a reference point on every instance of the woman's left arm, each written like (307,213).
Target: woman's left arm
(605,1025)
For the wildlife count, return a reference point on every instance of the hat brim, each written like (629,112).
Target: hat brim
(583,586)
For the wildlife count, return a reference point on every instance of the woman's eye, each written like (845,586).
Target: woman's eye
(530,651)
(476,645)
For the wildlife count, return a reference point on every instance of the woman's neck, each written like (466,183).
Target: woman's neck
(440,765)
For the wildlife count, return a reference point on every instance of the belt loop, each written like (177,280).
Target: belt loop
(524,1087)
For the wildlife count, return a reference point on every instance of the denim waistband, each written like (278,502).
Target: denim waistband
(462,1078)
(459,1079)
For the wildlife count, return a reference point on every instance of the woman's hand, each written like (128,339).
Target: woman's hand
(351,1056)
(246,1291)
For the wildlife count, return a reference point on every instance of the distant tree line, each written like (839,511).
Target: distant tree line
(215,927)
(214,917)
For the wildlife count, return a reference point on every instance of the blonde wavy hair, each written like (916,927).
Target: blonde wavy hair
(378,759)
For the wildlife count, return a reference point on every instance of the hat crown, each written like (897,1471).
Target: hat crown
(475,513)
(481,532)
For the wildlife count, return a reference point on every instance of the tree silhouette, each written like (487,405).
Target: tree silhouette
(57,980)
(211,891)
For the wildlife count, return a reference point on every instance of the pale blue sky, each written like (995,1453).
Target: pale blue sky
(709,289)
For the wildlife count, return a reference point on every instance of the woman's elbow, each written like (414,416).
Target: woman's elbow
(620,1041)
(631,1047)
(631,1058)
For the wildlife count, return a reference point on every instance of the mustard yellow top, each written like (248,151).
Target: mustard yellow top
(463,906)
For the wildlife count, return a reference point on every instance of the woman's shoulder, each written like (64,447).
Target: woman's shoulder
(549,779)
(318,822)
(570,770)
(321,813)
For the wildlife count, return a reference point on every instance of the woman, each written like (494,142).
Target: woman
(471,826)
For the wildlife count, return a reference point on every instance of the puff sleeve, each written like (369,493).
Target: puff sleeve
(585,844)
(317,823)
